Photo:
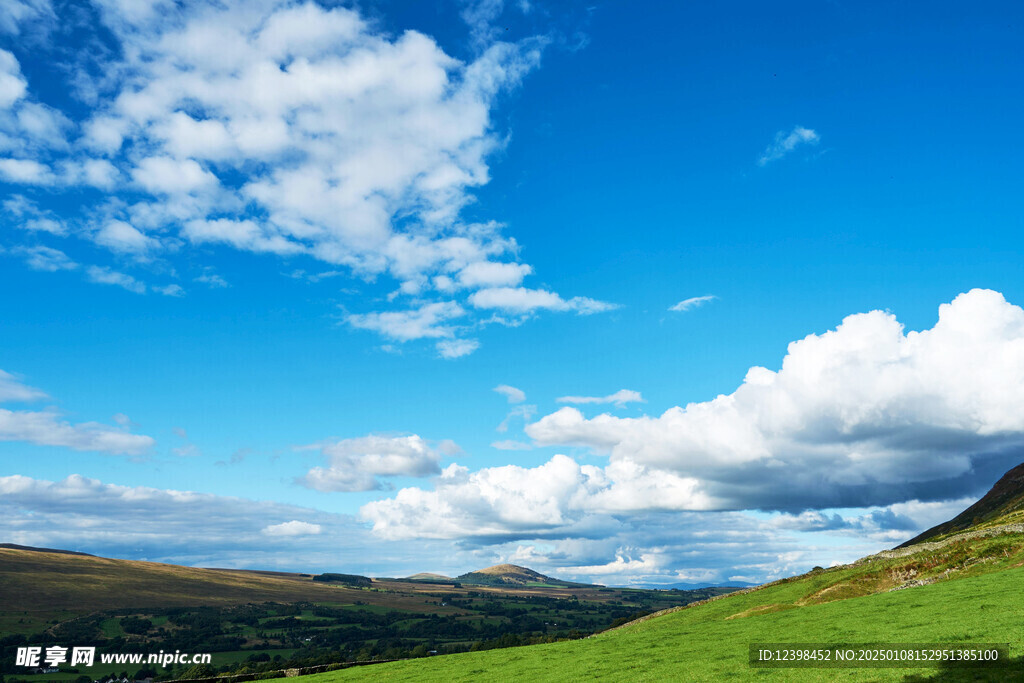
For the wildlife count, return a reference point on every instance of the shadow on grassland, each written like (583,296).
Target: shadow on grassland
(1013,670)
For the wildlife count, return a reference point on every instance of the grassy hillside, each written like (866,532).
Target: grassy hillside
(32,581)
(963,589)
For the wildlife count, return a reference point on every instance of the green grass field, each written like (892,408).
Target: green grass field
(976,597)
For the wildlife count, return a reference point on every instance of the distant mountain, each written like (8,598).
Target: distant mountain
(1005,499)
(511,575)
(428,576)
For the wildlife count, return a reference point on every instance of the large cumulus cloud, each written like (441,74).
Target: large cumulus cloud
(866,415)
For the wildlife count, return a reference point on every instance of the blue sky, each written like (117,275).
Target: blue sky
(280,255)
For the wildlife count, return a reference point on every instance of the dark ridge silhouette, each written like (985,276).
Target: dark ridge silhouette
(1005,497)
(15,546)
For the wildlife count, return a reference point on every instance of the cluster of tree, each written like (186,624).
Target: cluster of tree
(136,625)
(347,579)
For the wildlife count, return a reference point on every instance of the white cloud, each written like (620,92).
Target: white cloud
(480,16)
(28,128)
(862,415)
(356,464)
(14,13)
(634,547)
(290,129)
(212,280)
(427,321)
(456,348)
(691,303)
(524,300)
(786,142)
(45,428)
(12,84)
(338,128)
(187,449)
(242,234)
(99,173)
(511,393)
(106,276)
(104,133)
(201,529)
(184,527)
(619,398)
(54,227)
(898,430)
(524,412)
(516,502)
(292,528)
(649,563)
(43,125)
(46,258)
(12,389)
(26,171)
(123,238)
(493,274)
(164,175)
(123,420)
(208,530)
(170,290)
(637,547)
(33,218)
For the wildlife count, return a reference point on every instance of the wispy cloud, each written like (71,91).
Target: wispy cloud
(170,290)
(212,280)
(523,300)
(619,398)
(513,394)
(456,348)
(785,142)
(691,303)
(47,428)
(45,258)
(107,276)
(13,389)
(293,528)
(429,321)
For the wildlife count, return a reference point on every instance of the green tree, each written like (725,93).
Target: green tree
(199,671)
